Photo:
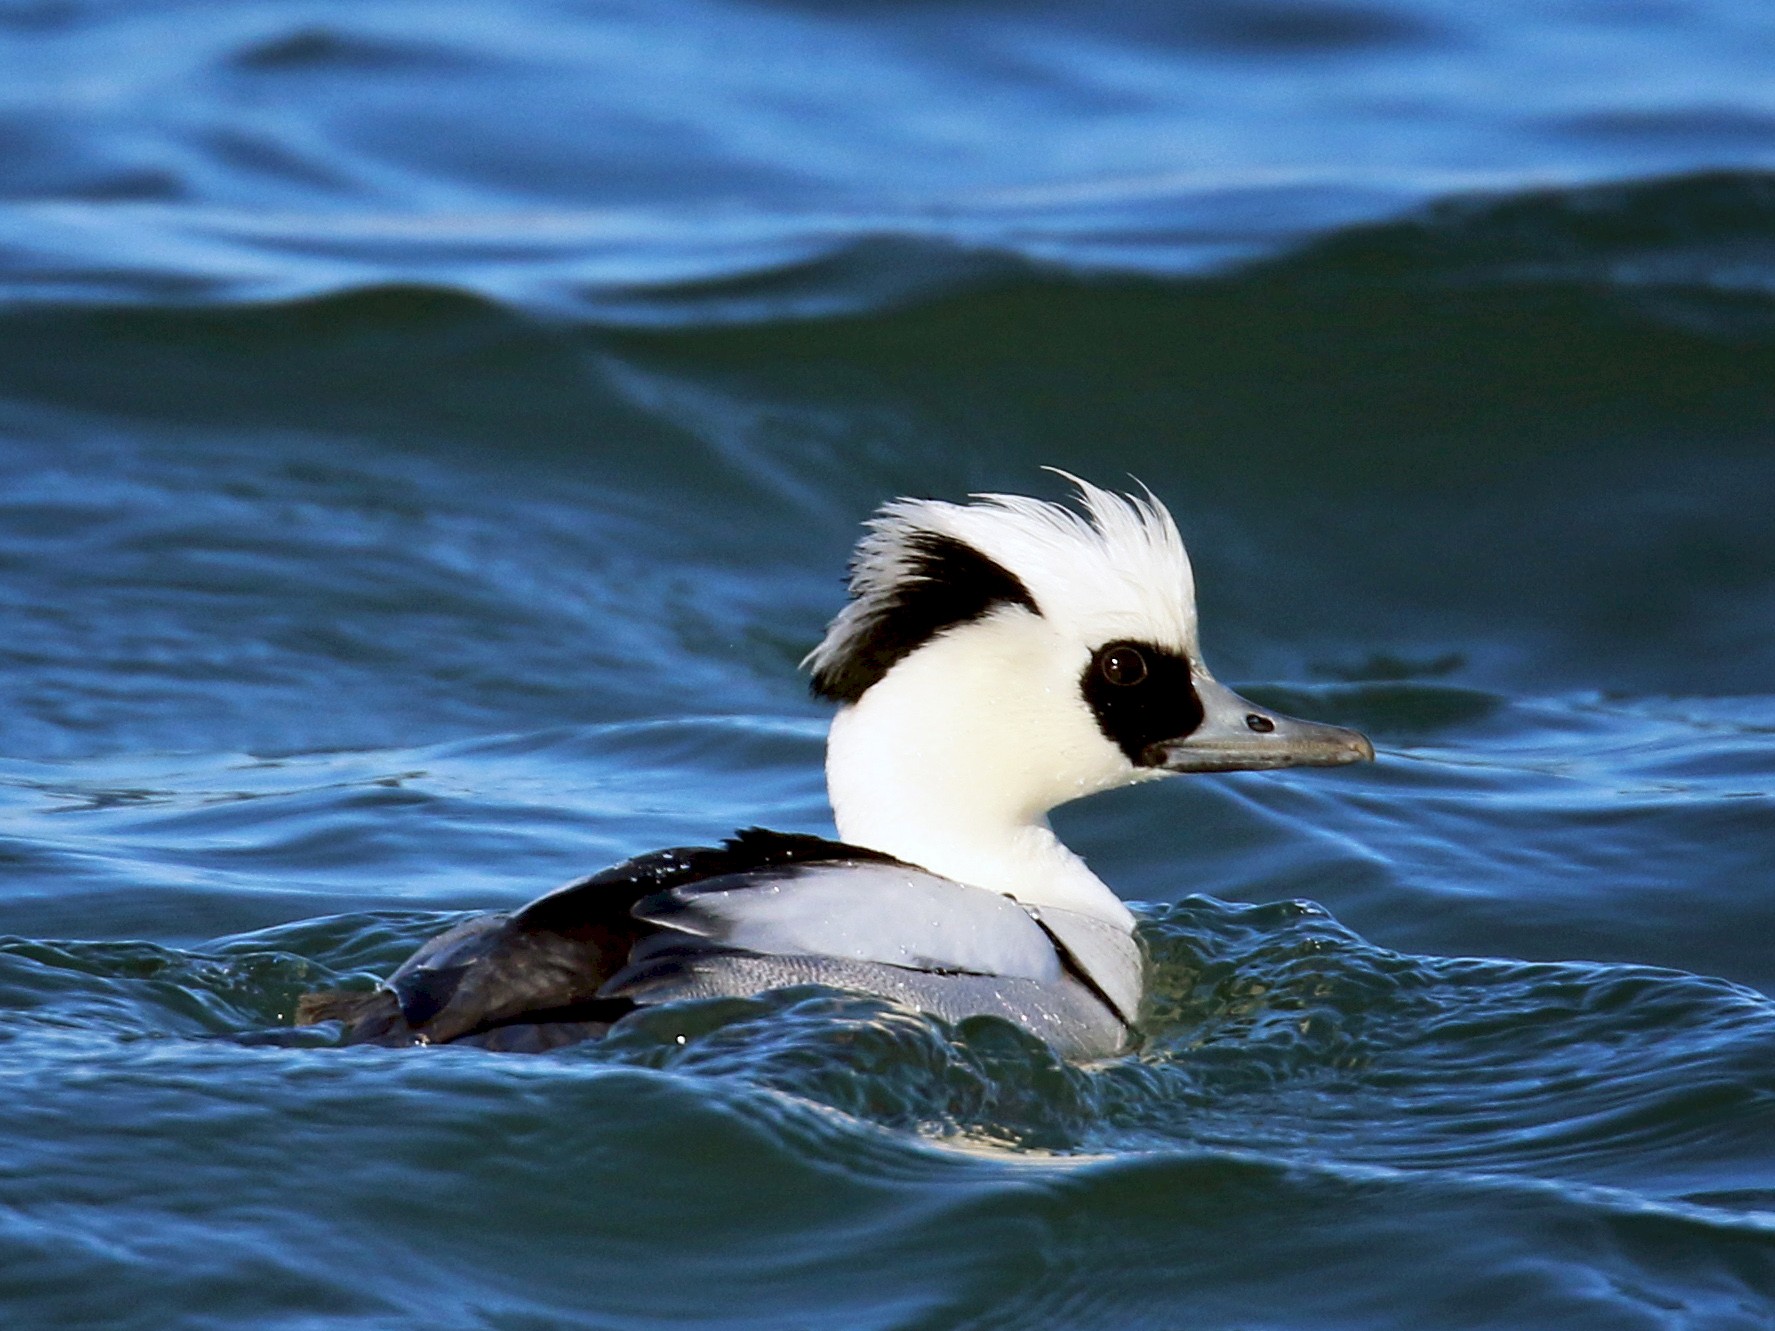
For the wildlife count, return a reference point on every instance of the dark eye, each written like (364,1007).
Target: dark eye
(1122,665)
(1261,724)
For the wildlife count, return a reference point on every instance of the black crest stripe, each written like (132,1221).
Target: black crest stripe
(947,582)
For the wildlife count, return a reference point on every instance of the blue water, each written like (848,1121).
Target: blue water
(430,436)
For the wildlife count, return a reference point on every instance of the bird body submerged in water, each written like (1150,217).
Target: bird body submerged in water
(995,659)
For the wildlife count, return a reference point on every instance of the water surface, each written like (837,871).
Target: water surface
(430,436)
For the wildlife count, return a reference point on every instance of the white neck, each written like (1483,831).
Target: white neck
(937,766)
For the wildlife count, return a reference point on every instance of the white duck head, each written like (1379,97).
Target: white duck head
(1002,657)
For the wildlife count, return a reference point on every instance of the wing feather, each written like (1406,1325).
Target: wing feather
(862,911)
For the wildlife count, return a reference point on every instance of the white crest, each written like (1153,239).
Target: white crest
(1116,570)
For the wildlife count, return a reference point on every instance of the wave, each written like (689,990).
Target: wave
(1542,394)
(1267,1029)
(1304,1102)
(1705,232)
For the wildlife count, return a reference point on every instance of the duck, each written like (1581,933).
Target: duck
(995,658)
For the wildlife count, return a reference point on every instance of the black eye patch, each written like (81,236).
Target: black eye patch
(1140,694)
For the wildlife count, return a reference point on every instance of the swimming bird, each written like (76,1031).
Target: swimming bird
(995,659)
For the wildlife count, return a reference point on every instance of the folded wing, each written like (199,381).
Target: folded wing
(887,913)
